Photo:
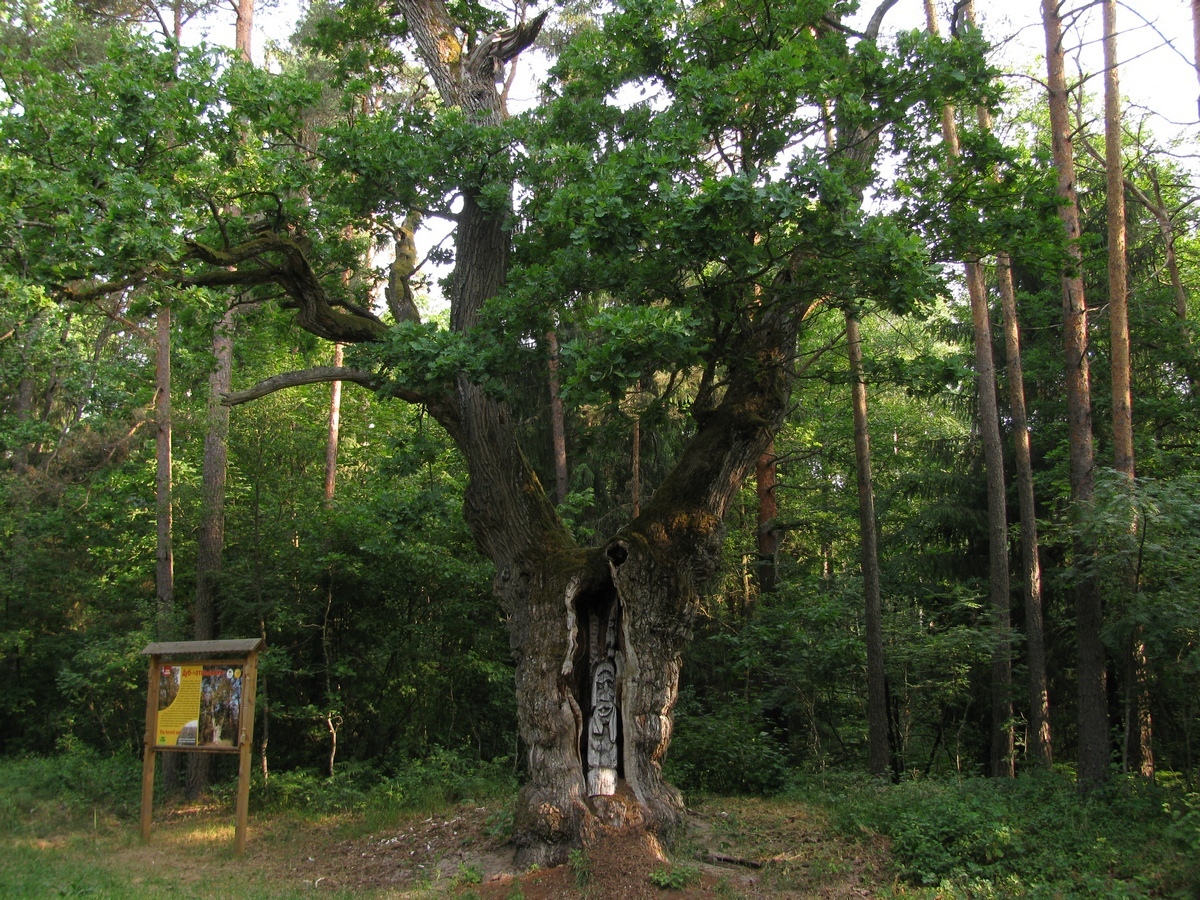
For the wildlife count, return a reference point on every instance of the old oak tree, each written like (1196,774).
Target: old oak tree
(685,198)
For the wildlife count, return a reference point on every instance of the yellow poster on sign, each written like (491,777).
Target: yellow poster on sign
(199,705)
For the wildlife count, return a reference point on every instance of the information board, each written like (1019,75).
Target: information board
(199,705)
(201,699)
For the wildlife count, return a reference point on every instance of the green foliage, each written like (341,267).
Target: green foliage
(1033,836)
(1185,820)
(421,784)
(625,344)
(468,874)
(674,877)
(729,751)
(581,867)
(46,792)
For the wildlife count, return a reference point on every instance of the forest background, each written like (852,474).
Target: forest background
(138,507)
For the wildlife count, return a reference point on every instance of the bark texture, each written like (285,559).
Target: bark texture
(1139,753)
(1039,741)
(244,30)
(1040,746)
(879,753)
(1002,757)
(1089,612)
(766,482)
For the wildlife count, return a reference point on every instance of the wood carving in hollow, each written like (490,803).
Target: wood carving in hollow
(605,714)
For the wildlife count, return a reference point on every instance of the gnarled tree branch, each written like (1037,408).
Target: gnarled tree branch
(289,267)
(315,375)
(442,408)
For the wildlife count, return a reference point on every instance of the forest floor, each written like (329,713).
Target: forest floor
(733,847)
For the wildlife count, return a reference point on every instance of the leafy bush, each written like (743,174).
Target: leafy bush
(447,777)
(1185,821)
(73,783)
(729,753)
(303,789)
(443,777)
(1031,836)
(674,878)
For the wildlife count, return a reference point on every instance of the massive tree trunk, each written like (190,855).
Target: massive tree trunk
(598,633)
(1089,610)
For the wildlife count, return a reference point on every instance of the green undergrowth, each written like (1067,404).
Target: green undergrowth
(67,790)
(429,784)
(69,825)
(64,820)
(81,787)
(1032,836)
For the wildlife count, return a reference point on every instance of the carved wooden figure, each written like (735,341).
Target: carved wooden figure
(602,730)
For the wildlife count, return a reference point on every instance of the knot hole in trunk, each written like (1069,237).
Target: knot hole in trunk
(617,553)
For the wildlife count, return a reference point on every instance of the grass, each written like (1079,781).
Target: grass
(69,827)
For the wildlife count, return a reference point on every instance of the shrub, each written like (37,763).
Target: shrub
(1034,835)
(729,752)
(674,878)
(73,783)
(443,777)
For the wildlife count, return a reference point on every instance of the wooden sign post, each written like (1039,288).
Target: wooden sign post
(201,700)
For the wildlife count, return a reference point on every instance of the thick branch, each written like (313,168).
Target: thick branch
(268,258)
(732,436)
(315,375)
(440,407)
(290,269)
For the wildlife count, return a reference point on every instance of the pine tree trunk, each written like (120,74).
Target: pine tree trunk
(879,752)
(1138,750)
(1002,756)
(1002,729)
(244,30)
(1089,611)
(1040,746)
(765,478)
(211,539)
(331,440)
(165,567)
